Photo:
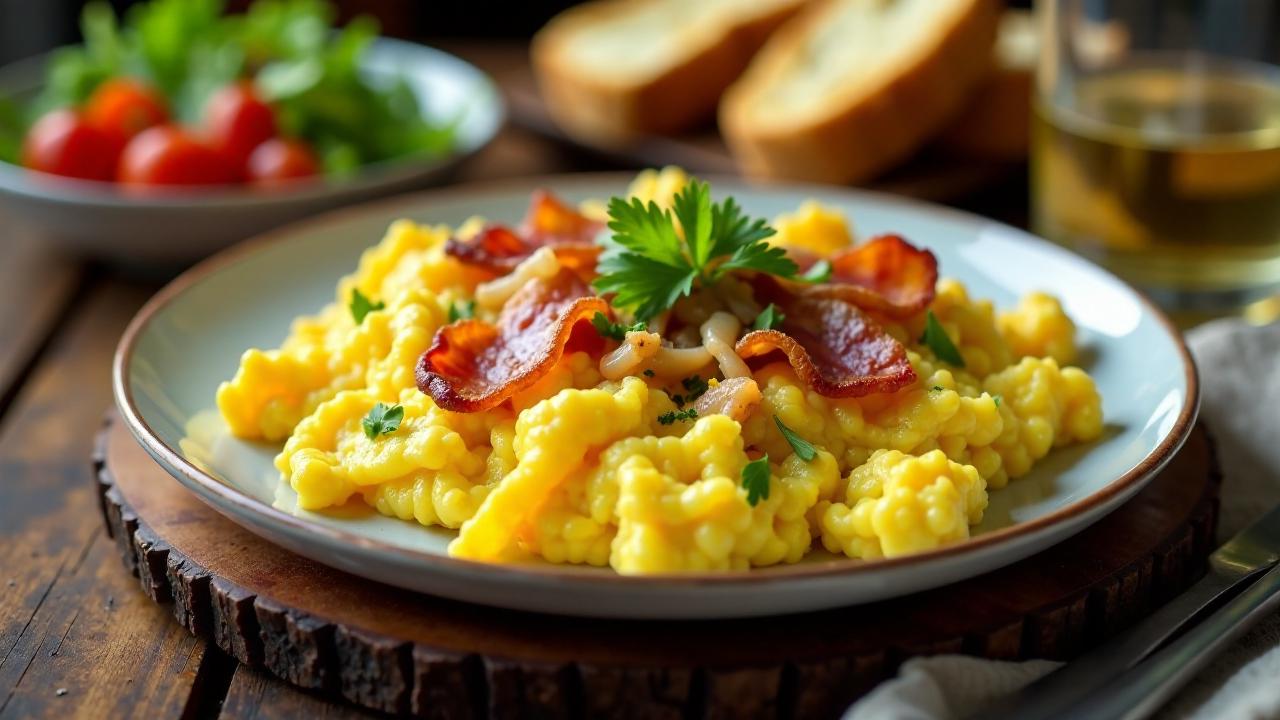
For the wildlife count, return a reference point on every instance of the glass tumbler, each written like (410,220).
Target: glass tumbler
(1156,147)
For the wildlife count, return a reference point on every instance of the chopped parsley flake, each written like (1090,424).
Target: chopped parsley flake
(936,388)
(382,420)
(755,478)
(361,305)
(462,310)
(667,418)
(613,330)
(803,448)
(937,340)
(648,372)
(997,399)
(769,318)
(695,386)
(648,264)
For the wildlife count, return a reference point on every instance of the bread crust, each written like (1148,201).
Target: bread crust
(867,133)
(611,111)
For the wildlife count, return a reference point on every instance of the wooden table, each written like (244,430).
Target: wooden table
(77,638)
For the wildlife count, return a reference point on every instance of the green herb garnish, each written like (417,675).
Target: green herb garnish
(672,416)
(612,330)
(694,388)
(820,272)
(803,448)
(382,420)
(361,305)
(755,478)
(648,372)
(936,388)
(769,318)
(996,398)
(937,340)
(462,310)
(648,264)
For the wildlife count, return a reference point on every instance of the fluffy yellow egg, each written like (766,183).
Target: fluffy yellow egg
(813,227)
(579,469)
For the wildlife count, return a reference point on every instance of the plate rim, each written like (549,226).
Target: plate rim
(200,482)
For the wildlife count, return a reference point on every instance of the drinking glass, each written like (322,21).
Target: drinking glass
(1156,147)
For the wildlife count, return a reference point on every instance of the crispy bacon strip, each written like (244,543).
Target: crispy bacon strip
(832,345)
(885,274)
(473,365)
(499,249)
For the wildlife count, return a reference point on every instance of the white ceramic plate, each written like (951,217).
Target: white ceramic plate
(99,219)
(190,336)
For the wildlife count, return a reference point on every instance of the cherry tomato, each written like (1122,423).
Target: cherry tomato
(237,121)
(166,155)
(279,160)
(62,143)
(124,107)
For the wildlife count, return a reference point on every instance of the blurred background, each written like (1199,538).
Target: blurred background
(27,28)
(1143,134)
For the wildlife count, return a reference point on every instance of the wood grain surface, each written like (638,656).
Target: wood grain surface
(405,653)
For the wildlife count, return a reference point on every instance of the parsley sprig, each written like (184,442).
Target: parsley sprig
(649,264)
(937,340)
(755,478)
(382,419)
(802,448)
(361,305)
(769,318)
(612,330)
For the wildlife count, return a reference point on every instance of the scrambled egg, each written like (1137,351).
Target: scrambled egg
(578,469)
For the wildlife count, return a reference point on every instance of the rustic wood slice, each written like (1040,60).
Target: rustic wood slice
(402,652)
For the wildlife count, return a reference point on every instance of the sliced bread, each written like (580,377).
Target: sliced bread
(852,87)
(616,69)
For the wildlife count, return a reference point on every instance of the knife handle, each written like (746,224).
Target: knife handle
(1059,691)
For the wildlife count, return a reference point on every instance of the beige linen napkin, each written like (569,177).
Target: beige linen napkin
(1240,382)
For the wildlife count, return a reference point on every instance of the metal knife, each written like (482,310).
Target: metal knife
(1134,673)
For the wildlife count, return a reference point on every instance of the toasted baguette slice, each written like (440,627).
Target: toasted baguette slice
(618,69)
(851,87)
(996,121)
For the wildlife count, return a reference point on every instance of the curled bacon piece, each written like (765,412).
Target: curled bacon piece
(473,365)
(885,274)
(548,222)
(832,345)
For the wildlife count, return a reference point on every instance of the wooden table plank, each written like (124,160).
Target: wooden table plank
(70,621)
(99,648)
(37,287)
(255,695)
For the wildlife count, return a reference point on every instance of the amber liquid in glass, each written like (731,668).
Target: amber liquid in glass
(1167,171)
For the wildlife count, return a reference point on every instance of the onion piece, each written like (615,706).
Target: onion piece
(627,358)
(719,333)
(543,264)
(735,397)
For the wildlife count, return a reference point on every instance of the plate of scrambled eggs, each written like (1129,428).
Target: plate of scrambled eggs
(655,397)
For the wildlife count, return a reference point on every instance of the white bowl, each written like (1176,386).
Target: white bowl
(98,219)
